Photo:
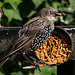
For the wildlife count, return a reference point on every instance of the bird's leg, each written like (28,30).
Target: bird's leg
(36,65)
(24,55)
(39,62)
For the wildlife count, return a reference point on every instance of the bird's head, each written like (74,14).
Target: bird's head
(50,13)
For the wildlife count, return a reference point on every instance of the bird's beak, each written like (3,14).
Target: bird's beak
(59,14)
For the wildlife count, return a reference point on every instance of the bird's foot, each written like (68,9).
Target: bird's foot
(42,62)
(37,66)
(34,64)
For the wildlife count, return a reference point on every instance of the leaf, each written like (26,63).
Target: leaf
(17,15)
(30,14)
(1,73)
(9,13)
(63,3)
(1,4)
(13,3)
(45,70)
(69,10)
(72,3)
(55,5)
(14,73)
(68,19)
(47,4)
(37,2)
(26,7)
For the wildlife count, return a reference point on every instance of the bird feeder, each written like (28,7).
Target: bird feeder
(57,48)
(7,34)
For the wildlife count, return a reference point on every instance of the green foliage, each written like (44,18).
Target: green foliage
(37,3)
(18,73)
(46,70)
(1,4)
(13,3)
(14,68)
(1,73)
(16,15)
(9,13)
(17,12)
(10,9)
(72,3)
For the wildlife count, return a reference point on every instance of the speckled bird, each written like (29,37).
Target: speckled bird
(27,38)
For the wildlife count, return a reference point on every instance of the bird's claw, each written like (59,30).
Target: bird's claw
(37,66)
(42,62)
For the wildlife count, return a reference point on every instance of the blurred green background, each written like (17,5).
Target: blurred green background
(17,12)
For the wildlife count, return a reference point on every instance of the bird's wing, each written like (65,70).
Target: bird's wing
(31,29)
(25,35)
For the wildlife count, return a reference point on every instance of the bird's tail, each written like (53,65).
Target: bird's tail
(3,61)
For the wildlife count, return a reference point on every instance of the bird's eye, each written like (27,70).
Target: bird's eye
(51,12)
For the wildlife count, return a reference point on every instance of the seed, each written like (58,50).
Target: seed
(55,50)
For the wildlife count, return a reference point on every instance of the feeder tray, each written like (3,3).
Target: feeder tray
(57,48)
(39,41)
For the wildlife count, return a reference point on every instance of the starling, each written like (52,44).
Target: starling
(31,34)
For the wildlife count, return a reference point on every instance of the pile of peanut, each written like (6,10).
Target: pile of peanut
(55,50)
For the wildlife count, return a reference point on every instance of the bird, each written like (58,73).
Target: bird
(23,42)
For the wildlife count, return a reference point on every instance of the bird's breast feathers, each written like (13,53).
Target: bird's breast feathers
(51,18)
